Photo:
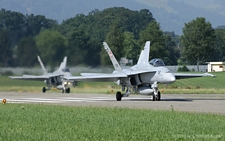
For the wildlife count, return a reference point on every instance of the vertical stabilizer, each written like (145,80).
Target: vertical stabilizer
(42,65)
(144,56)
(63,64)
(141,57)
(112,57)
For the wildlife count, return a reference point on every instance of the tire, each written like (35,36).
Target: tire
(153,98)
(43,89)
(68,90)
(159,96)
(118,96)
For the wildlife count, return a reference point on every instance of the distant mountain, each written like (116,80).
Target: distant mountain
(171,14)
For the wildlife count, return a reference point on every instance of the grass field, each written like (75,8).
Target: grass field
(53,122)
(50,122)
(203,85)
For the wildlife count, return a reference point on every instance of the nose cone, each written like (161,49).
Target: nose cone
(173,78)
(169,78)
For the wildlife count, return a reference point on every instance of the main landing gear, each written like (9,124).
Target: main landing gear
(119,95)
(156,95)
(66,90)
(44,89)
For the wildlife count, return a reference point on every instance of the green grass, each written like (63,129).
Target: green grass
(200,85)
(50,122)
(5,81)
(201,82)
(9,85)
(203,85)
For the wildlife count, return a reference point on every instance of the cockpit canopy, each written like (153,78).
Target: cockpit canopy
(66,70)
(156,62)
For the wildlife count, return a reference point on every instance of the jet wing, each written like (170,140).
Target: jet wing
(91,74)
(127,73)
(186,75)
(33,77)
(112,77)
(103,77)
(139,72)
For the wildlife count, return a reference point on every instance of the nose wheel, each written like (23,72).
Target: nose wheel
(156,97)
(66,90)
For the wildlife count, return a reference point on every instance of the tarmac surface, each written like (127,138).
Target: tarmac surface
(200,103)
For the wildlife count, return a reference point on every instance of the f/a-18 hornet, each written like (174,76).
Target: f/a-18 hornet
(54,79)
(143,77)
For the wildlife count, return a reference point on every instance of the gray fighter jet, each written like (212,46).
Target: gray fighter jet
(143,77)
(54,79)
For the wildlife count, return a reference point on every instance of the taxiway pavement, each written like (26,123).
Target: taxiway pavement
(203,103)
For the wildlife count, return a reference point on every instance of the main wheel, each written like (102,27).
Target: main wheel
(118,96)
(68,90)
(63,91)
(153,97)
(159,96)
(44,89)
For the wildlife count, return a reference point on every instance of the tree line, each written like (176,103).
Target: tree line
(23,37)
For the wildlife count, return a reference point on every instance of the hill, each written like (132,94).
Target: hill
(172,14)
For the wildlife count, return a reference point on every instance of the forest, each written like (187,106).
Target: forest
(23,37)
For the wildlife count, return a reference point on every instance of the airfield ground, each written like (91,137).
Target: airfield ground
(203,103)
